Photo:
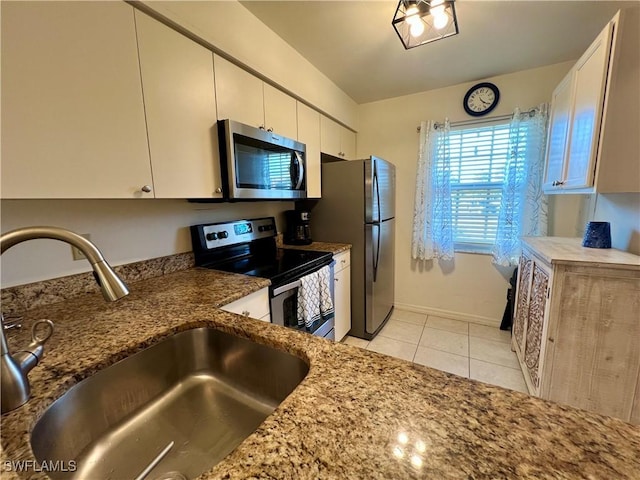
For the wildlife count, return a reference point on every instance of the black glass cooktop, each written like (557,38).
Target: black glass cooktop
(280,267)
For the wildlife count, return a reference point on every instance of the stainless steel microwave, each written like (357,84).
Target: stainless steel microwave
(260,165)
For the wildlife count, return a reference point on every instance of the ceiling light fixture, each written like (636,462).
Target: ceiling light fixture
(423,21)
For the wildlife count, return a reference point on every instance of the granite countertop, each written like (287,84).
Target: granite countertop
(357,414)
(334,248)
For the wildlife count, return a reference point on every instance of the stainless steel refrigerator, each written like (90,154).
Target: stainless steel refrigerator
(358,207)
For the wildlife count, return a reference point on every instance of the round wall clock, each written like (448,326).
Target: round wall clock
(481,99)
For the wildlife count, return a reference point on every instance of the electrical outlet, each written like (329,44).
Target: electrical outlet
(75,252)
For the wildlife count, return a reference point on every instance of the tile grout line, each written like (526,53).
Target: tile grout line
(468,351)
(419,339)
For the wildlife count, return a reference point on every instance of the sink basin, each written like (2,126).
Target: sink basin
(203,389)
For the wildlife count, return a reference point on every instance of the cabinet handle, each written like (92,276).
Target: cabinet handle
(557,183)
(146,189)
(336,279)
(219,190)
(551,340)
(343,261)
(261,127)
(269,129)
(245,313)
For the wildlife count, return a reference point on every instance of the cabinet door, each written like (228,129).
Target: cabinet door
(596,356)
(342,305)
(330,136)
(280,112)
(254,305)
(239,94)
(309,134)
(535,324)
(588,100)
(73,121)
(348,143)
(522,304)
(559,121)
(179,97)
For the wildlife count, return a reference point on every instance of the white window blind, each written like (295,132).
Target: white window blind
(477,162)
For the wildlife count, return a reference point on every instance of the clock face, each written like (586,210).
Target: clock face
(481,99)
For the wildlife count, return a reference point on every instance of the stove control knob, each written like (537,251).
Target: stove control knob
(223,234)
(211,236)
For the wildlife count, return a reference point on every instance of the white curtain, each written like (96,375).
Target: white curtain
(432,220)
(523,207)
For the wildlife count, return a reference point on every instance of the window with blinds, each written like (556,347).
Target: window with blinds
(477,162)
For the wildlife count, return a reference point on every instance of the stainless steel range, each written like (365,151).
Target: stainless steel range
(249,247)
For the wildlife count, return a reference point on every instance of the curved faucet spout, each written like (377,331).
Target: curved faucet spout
(15,389)
(112,287)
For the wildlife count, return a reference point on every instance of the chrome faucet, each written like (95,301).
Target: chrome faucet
(15,389)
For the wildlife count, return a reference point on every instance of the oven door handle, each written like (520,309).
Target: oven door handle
(286,288)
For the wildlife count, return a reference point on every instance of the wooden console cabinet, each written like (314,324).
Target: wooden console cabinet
(576,328)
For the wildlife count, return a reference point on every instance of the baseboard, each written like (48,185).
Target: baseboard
(465,317)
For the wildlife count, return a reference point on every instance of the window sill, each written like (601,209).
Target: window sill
(476,249)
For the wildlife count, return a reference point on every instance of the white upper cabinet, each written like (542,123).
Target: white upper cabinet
(337,140)
(180,103)
(239,94)
(73,122)
(595,112)
(348,143)
(309,134)
(559,118)
(280,114)
(244,98)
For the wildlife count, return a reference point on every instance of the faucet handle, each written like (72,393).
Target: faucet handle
(48,331)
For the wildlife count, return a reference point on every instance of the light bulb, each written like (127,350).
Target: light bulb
(440,21)
(411,15)
(416,29)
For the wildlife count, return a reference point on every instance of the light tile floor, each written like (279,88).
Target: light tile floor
(466,349)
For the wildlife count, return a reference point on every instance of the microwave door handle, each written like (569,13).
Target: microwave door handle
(300,163)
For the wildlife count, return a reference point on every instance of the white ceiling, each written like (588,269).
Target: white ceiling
(354,44)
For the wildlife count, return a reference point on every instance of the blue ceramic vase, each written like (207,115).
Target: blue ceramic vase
(597,235)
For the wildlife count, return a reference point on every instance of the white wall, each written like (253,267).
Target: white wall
(230,27)
(124,230)
(622,210)
(471,287)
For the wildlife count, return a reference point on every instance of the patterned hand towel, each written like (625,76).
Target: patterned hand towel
(309,300)
(326,304)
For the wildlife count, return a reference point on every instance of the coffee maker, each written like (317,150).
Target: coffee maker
(298,230)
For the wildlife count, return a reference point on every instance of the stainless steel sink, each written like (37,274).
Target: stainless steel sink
(196,396)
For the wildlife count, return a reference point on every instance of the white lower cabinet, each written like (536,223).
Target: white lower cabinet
(255,305)
(342,294)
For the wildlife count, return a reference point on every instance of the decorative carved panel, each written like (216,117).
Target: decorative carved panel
(522,304)
(537,304)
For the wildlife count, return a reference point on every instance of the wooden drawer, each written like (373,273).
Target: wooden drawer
(255,305)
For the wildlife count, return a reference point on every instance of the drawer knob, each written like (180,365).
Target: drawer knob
(146,189)
(245,313)
(557,183)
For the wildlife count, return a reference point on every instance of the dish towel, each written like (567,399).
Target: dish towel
(314,298)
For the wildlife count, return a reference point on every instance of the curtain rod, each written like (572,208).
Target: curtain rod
(481,121)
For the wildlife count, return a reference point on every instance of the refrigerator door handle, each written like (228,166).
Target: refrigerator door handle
(377,190)
(376,255)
